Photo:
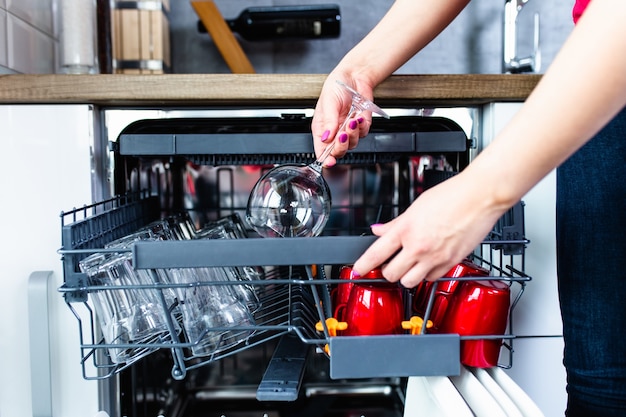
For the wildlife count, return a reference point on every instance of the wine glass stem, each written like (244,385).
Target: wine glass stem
(319,162)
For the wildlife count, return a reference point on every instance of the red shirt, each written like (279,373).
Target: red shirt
(579,8)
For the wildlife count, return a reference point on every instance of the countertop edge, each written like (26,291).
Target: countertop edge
(237,89)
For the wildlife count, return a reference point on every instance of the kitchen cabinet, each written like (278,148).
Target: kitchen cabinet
(46,168)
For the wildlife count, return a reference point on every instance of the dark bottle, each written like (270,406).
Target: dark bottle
(286,22)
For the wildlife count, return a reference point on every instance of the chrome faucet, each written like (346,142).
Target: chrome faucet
(512,64)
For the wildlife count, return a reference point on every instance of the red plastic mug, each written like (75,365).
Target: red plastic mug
(444,292)
(479,308)
(341,293)
(375,308)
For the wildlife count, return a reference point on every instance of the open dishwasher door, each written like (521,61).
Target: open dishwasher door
(475,392)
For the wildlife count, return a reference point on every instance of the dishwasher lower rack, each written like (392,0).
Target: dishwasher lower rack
(293,295)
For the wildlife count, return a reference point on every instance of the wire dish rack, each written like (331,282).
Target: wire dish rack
(293,283)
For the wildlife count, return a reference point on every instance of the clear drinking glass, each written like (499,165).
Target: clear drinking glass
(210,310)
(207,307)
(126,315)
(154,231)
(231,227)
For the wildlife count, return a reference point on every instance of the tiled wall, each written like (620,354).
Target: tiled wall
(471,44)
(27,36)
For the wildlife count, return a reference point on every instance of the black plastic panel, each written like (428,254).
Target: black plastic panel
(263,136)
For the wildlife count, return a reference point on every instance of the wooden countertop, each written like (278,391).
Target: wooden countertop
(236,89)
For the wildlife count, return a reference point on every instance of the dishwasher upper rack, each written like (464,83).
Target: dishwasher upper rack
(122,215)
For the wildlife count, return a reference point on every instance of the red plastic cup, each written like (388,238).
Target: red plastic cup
(375,308)
(479,308)
(444,292)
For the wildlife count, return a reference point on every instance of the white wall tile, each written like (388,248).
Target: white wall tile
(29,50)
(2,4)
(36,12)
(3,37)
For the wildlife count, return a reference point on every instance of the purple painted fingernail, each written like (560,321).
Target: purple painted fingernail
(343,138)
(353,124)
(360,120)
(325,136)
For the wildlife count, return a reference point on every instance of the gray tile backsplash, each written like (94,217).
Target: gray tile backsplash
(471,44)
(3,38)
(29,50)
(37,13)
(27,40)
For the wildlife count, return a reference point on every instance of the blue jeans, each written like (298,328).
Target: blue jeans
(591,253)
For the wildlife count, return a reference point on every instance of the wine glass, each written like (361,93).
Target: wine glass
(293,200)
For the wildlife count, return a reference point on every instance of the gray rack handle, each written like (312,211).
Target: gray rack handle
(39,332)
(328,250)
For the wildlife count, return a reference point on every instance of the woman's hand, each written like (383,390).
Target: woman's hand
(330,113)
(437,231)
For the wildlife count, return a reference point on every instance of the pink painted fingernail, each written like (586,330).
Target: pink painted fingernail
(360,120)
(325,136)
(353,124)
(376,225)
(343,138)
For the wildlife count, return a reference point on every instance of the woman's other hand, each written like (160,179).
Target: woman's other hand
(438,230)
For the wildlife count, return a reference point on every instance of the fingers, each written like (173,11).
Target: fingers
(398,264)
(345,139)
(358,128)
(419,272)
(379,252)
(322,138)
(405,255)
(326,116)
(402,264)
(330,126)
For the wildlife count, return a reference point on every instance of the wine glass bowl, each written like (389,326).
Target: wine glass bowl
(289,201)
(294,200)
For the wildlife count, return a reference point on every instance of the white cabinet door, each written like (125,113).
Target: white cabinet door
(45,169)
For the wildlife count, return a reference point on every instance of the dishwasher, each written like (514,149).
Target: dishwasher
(172,188)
